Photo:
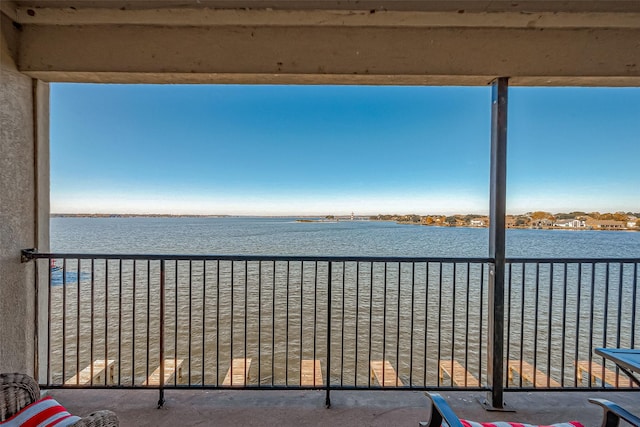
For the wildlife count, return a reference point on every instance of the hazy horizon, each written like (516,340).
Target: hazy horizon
(323,215)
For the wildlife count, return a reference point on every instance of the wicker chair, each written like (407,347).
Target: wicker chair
(19,390)
(441,411)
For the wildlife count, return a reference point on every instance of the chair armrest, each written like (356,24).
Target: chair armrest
(613,413)
(103,418)
(16,391)
(441,411)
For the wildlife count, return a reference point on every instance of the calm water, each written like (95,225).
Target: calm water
(284,236)
(412,315)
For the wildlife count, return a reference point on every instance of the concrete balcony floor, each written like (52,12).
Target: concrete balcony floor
(349,408)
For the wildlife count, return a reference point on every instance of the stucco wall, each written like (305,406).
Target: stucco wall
(20,191)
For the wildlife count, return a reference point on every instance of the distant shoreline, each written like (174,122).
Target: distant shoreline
(528,221)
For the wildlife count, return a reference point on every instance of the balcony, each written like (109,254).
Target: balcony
(42,44)
(318,325)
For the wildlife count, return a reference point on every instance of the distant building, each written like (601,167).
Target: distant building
(540,223)
(570,223)
(606,224)
(482,221)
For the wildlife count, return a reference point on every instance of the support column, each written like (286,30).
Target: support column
(24,201)
(495,351)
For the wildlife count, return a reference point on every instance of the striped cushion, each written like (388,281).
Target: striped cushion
(45,412)
(466,423)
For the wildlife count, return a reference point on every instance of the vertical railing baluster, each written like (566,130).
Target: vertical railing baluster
(426,322)
(273,325)
(259,322)
(357,336)
(286,340)
(370,322)
(77,316)
(232,309)
(64,323)
(522,314)
(175,320)
(162,301)
(49,304)
(246,303)
(413,298)
(133,325)
(466,322)
(327,400)
(344,267)
(591,319)
(480,320)
(606,306)
(550,324)
(564,324)
(315,315)
(634,288)
(439,353)
(93,275)
(204,300)
(453,316)
(509,268)
(119,321)
(384,323)
(398,324)
(36,321)
(301,355)
(189,338)
(203,377)
(578,301)
(535,325)
(619,326)
(106,318)
(148,316)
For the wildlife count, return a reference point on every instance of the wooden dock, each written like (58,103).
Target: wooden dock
(310,373)
(238,373)
(609,376)
(458,374)
(384,373)
(99,369)
(527,372)
(170,368)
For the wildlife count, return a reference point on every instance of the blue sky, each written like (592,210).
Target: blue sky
(318,150)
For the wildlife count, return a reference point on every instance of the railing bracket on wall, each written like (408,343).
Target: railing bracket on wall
(28,254)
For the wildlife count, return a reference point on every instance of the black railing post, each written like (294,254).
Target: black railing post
(327,401)
(495,350)
(162,298)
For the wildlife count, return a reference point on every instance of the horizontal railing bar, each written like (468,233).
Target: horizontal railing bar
(337,387)
(30,254)
(567,388)
(571,260)
(181,257)
(289,387)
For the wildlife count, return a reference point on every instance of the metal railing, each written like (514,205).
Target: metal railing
(558,310)
(261,322)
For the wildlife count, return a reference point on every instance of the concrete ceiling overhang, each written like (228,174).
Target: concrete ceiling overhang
(326,42)
(475,6)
